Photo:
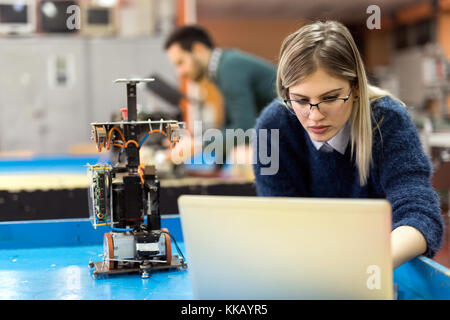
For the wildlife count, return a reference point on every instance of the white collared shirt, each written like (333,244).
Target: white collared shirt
(339,142)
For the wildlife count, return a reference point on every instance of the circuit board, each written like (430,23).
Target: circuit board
(99,194)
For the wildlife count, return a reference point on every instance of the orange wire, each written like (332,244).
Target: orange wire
(157,130)
(141,173)
(131,141)
(108,146)
(126,143)
(118,130)
(172,145)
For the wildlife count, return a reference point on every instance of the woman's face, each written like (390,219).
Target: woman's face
(318,87)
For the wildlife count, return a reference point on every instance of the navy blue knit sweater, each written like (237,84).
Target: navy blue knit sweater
(400,171)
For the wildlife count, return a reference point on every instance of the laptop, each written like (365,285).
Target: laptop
(259,248)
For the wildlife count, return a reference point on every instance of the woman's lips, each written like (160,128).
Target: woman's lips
(319,129)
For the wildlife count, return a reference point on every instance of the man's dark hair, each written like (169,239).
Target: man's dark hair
(187,35)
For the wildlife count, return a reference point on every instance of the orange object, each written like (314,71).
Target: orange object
(126,143)
(157,130)
(108,143)
(108,251)
(172,144)
(141,173)
(168,247)
(132,141)
(415,12)
(444,5)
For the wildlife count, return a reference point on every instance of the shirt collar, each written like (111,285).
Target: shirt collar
(214,63)
(339,142)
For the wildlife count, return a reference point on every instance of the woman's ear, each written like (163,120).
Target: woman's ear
(356,92)
(356,97)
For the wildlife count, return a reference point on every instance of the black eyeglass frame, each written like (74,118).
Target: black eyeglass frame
(288,101)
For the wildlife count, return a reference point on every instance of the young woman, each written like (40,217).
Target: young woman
(341,137)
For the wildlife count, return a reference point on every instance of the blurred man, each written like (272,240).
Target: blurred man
(246,82)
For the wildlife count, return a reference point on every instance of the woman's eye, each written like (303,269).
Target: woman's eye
(302,102)
(330,98)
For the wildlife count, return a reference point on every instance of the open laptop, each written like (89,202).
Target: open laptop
(287,248)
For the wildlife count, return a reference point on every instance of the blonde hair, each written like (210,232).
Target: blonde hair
(331,46)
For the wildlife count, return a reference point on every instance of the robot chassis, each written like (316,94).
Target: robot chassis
(126,196)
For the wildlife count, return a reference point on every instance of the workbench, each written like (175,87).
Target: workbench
(46,256)
(49,260)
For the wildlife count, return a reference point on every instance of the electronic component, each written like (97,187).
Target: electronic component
(99,194)
(99,136)
(125,196)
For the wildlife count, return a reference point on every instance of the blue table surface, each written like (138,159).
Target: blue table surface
(62,273)
(49,260)
(68,163)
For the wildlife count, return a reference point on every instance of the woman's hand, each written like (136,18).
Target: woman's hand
(406,244)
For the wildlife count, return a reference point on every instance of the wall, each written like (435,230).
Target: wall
(260,36)
(42,116)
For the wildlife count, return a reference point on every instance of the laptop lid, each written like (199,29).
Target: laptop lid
(287,248)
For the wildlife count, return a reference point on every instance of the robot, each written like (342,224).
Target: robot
(125,196)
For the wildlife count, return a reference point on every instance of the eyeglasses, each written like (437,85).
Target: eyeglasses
(331,105)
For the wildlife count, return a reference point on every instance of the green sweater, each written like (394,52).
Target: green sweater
(247,84)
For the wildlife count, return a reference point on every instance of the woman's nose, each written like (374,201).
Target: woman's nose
(315,114)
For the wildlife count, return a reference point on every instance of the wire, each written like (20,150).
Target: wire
(141,173)
(149,133)
(121,229)
(131,141)
(143,139)
(103,224)
(109,136)
(125,143)
(176,245)
(108,141)
(154,131)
